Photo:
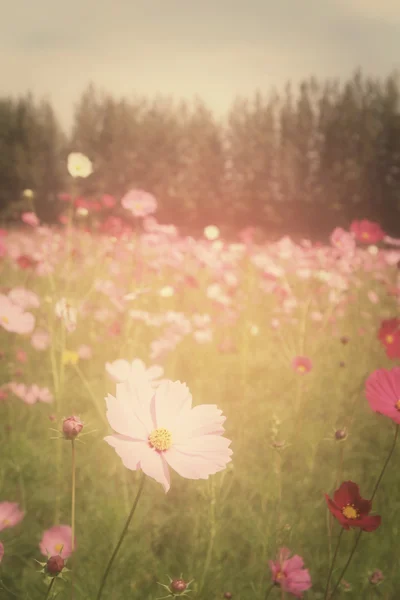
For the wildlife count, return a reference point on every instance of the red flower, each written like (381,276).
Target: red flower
(389,335)
(26,262)
(367,231)
(350,509)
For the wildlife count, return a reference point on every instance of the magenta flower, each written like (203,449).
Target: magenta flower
(159,428)
(382,390)
(30,219)
(302,364)
(139,203)
(57,540)
(10,515)
(289,573)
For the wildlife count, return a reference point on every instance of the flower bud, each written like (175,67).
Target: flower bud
(376,577)
(55,565)
(228,595)
(72,427)
(178,585)
(340,434)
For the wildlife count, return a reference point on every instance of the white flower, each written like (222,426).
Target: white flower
(27,194)
(211,232)
(79,165)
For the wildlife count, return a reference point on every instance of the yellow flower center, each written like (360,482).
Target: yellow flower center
(279,575)
(365,235)
(6,522)
(58,547)
(160,439)
(5,320)
(397,405)
(350,512)
(389,339)
(301,368)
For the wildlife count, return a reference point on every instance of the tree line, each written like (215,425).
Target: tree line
(302,161)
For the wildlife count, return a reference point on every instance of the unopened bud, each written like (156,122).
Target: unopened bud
(55,565)
(72,427)
(376,577)
(340,434)
(227,595)
(178,585)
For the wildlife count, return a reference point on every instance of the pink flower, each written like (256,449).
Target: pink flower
(302,364)
(57,540)
(159,428)
(21,356)
(1,552)
(139,203)
(10,515)
(72,426)
(343,240)
(40,339)
(108,201)
(289,573)
(12,317)
(367,231)
(24,298)
(382,390)
(30,219)
(121,370)
(85,352)
(373,297)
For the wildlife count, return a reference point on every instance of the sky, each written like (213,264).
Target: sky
(213,49)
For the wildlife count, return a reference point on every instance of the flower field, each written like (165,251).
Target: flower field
(192,417)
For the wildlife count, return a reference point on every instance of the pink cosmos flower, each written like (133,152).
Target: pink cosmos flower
(85,352)
(40,339)
(120,370)
(1,552)
(10,515)
(343,240)
(289,573)
(30,219)
(57,540)
(24,298)
(159,428)
(302,364)
(382,390)
(139,203)
(12,317)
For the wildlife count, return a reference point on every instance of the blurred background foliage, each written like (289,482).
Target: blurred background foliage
(302,161)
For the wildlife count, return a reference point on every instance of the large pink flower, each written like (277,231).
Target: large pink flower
(289,573)
(139,203)
(343,240)
(10,515)
(159,428)
(57,540)
(383,392)
(12,317)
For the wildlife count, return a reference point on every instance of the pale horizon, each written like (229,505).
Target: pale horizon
(181,50)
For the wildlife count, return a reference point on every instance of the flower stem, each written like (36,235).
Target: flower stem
(269,590)
(50,588)
(73,513)
(372,497)
(125,529)
(212,535)
(332,564)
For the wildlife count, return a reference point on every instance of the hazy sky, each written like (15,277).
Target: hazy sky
(213,48)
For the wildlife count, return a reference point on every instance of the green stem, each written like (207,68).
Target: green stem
(386,463)
(372,497)
(333,563)
(125,529)
(212,535)
(73,513)
(269,590)
(50,588)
